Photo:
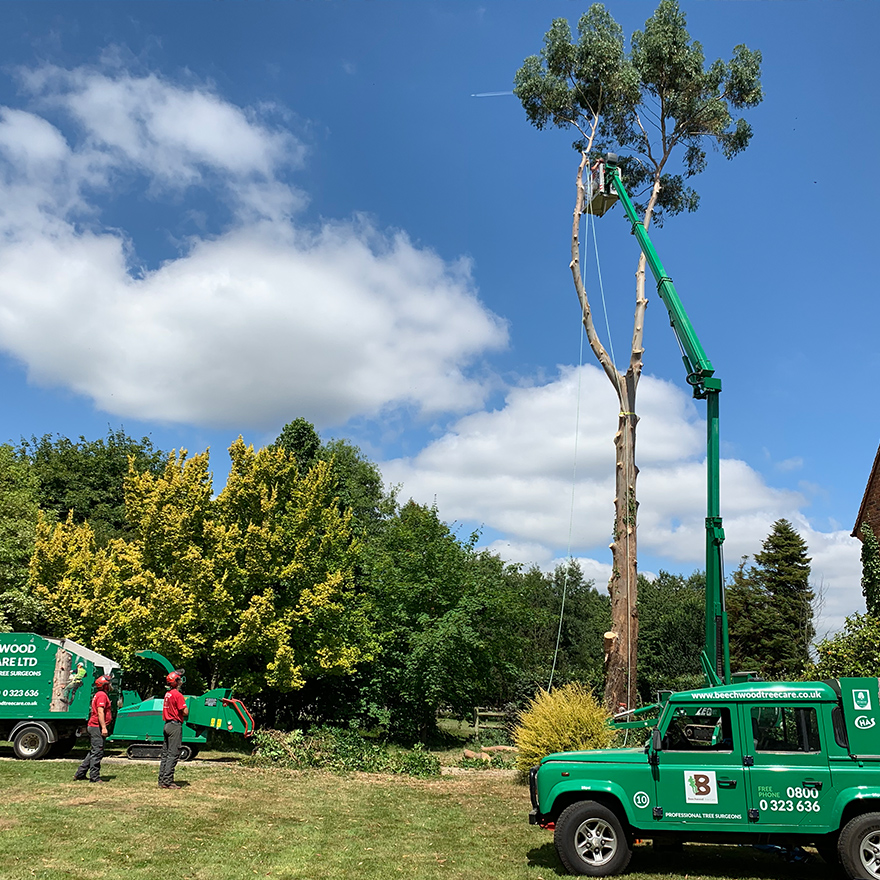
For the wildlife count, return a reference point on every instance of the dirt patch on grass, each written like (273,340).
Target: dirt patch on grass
(495,772)
(470,780)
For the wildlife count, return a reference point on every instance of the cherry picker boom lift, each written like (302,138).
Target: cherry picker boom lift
(606,188)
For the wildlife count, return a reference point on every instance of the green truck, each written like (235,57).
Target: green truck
(794,763)
(46,687)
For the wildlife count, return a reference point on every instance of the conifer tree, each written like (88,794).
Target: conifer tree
(770,607)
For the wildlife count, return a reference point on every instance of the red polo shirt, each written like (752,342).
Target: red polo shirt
(100,699)
(173,706)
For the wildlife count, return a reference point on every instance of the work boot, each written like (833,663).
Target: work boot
(96,780)
(78,778)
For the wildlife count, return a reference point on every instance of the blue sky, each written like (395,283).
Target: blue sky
(220,216)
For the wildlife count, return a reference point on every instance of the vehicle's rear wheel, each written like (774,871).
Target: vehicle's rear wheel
(590,840)
(30,743)
(186,752)
(859,847)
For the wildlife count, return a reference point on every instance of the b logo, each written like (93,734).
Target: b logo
(699,787)
(700,784)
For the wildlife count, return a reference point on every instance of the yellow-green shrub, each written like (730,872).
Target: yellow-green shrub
(564,720)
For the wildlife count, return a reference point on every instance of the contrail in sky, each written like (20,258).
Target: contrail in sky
(490,94)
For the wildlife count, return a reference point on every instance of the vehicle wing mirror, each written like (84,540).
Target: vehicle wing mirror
(656,746)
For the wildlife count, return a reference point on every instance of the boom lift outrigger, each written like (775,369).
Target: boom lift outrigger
(606,188)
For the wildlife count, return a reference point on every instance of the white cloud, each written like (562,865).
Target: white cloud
(265,319)
(513,471)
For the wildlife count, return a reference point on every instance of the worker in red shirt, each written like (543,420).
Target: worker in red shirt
(99,721)
(174,713)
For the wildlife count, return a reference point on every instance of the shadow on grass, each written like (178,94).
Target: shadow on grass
(702,860)
(545,857)
(723,862)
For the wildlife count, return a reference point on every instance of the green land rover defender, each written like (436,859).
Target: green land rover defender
(795,763)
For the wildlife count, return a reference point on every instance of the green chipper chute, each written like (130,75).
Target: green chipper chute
(139,722)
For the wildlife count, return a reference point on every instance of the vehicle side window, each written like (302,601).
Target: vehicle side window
(839,726)
(699,729)
(785,729)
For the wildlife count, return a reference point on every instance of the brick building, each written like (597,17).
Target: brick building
(869,512)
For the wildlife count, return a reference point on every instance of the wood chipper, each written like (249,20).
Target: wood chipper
(139,721)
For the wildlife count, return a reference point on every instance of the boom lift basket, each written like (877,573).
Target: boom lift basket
(601,196)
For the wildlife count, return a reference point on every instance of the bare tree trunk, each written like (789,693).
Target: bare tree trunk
(621,643)
(620,663)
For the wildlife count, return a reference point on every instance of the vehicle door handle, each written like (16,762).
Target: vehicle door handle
(727,783)
(816,785)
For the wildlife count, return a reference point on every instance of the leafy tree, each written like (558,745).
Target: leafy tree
(448,624)
(855,651)
(671,611)
(358,486)
(252,588)
(585,617)
(356,480)
(770,607)
(87,476)
(19,512)
(300,440)
(871,570)
(649,105)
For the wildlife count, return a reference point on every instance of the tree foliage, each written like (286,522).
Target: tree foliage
(19,512)
(645,105)
(448,625)
(585,616)
(356,481)
(854,651)
(871,570)
(86,477)
(252,588)
(672,632)
(694,104)
(770,607)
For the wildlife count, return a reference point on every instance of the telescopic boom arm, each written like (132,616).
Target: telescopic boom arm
(606,188)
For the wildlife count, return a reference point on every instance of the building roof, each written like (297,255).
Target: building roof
(872,493)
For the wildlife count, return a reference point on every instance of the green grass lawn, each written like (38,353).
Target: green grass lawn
(234,822)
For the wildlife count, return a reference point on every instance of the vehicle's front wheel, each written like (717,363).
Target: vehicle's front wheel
(30,743)
(859,847)
(590,840)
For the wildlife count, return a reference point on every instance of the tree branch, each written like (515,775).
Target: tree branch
(595,343)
